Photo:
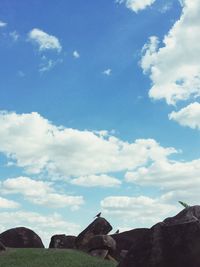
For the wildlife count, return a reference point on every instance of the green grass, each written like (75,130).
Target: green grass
(49,258)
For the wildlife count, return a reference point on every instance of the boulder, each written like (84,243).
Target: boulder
(62,241)
(102,242)
(98,227)
(21,237)
(175,242)
(101,253)
(125,240)
(2,247)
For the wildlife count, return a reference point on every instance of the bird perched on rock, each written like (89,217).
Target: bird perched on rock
(117,232)
(98,215)
(185,205)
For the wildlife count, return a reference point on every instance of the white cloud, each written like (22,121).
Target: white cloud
(2,24)
(102,180)
(8,204)
(174,68)
(136,5)
(138,211)
(39,192)
(44,226)
(44,40)
(14,35)
(107,72)
(49,64)
(38,146)
(188,116)
(76,54)
(167,174)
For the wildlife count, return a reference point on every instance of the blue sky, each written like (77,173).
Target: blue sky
(99,112)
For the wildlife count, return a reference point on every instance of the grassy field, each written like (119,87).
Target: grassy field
(49,258)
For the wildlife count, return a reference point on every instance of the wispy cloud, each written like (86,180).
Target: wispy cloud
(2,24)
(102,180)
(107,72)
(76,54)
(44,40)
(14,35)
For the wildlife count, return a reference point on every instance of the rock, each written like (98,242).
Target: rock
(110,258)
(2,247)
(21,237)
(101,253)
(175,242)
(62,241)
(125,240)
(102,242)
(98,227)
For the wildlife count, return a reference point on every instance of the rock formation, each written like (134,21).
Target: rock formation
(175,242)
(21,237)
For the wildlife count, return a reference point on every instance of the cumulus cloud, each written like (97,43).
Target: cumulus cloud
(177,180)
(102,180)
(141,210)
(8,204)
(188,116)
(136,5)
(35,144)
(44,40)
(2,24)
(44,226)
(174,67)
(39,192)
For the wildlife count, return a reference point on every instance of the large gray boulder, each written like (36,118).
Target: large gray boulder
(62,241)
(175,242)
(21,237)
(99,226)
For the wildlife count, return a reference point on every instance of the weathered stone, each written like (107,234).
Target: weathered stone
(98,227)
(21,237)
(62,241)
(2,247)
(175,242)
(102,242)
(125,240)
(110,258)
(101,253)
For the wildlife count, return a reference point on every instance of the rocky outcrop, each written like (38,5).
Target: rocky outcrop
(98,227)
(125,240)
(175,242)
(21,237)
(62,241)
(2,247)
(102,242)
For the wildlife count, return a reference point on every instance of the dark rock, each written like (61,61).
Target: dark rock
(101,253)
(98,227)
(2,247)
(125,240)
(175,242)
(62,241)
(102,242)
(21,237)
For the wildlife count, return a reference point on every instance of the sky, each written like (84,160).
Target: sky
(99,111)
